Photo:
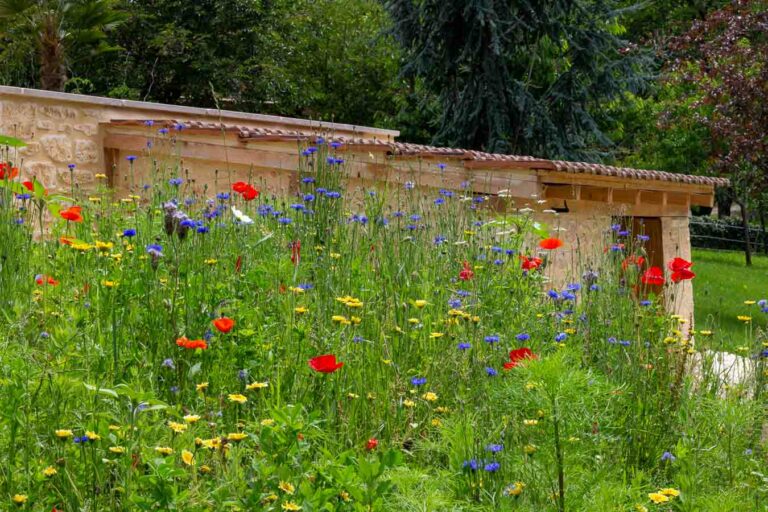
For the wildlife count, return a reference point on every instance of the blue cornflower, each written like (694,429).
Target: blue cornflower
(45,335)
(616,248)
(623,233)
(284,220)
(130,158)
(398,214)
(496,248)
(561,337)
(412,227)
(446,193)
(498,262)
(222,196)
(309,197)
(419,381)
(335,144)
(612,340)
(441,166)
(409,185)
(439,239)
(667,456)
(470,464)
(178,126)
(149,122)
(464,346)
(23,197)
(553,294)
(616,227)
(19,221)
(357,339)
(463,293)
(454,303)
(242,374)
(187,223)
(332,194)
(155,249)
(494,448)
(624,343)
(189,201)
(490,371)
(163,131)
(71,167)
(645,303)
(307,180)
(566,295)
(439,201)
(492,467)
(168,363)
(297,206)
(523,336)
(306,286)
(573,287)
(174,389)
(415,217)
(594,287)
(643,238)
(208,335)
(509,252)
(175,181)
(493,338)
(202,229)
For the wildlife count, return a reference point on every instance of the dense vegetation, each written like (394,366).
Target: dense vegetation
(387,349)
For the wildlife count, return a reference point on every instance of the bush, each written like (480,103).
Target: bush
(724,234)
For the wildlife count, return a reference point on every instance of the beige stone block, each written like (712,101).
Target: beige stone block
(43,171)
(19,112)
(86,151)
(22,130)
(87,129)
(57,112)
(31,149)
(64,128)
(58,147)
(81,177)
(44,124)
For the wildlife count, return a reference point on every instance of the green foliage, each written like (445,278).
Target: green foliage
(519,77)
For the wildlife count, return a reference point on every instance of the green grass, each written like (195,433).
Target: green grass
(721,286)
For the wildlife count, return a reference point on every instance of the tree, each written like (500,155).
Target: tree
(62,31)
(723,60)
(519,76)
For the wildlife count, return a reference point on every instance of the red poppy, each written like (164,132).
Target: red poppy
(240,187)
(517,355)
(551,243)
(639,261)
(371,444)
(42,279)
(250,193)
(325,364)
(7,172)
(224,324)
(66,240)
(681,270)
(466,273)
(72,214)
(653,276)
(295,252)
(531,263)
(183,342)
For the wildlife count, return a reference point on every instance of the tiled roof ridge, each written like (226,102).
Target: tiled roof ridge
(246,133)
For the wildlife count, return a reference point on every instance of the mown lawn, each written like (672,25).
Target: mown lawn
(721,286)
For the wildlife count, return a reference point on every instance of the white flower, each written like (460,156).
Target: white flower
(241,217)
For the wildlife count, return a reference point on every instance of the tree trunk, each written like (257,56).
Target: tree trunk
(762,230)
(53,73)
(724,201)
(745,224)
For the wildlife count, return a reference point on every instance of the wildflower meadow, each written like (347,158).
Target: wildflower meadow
(397,348)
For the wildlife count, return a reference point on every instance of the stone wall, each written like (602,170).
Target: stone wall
(62,129)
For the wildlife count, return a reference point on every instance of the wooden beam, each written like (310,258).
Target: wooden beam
(629,183)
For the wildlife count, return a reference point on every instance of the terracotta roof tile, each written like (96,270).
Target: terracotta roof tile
(419,150)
